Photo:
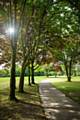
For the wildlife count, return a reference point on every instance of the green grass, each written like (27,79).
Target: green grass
(5,81)
(29,106)
(38,79)
(71,89)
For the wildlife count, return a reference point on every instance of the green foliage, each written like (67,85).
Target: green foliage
(2,13)
(61,19)
(4,72)
(18,70)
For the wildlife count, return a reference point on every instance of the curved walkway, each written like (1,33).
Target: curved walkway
(56,105)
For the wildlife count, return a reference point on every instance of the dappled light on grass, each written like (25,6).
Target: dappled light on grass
(21,111)
(28,106)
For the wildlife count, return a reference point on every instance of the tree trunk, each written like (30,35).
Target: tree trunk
(29,75)
(21,83)
(69,73)
(68,69)
(13,38)
(32,71)
(12,78)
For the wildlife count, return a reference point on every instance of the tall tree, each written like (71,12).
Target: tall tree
(61,23)
(10,8)
(14,10)
(36,12)
(13,38)
(16,20)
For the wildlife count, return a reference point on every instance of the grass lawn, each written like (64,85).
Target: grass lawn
(4,81)
(71,89)
(27,108)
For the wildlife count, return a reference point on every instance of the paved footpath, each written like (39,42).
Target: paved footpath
(56,105)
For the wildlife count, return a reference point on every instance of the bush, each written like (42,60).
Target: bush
(4,72)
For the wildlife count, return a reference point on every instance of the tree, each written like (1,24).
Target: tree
(14,11)
(61,23)
(14,42)
(32,33)
(68,54)
(25,45)
(13,46)
(75,4)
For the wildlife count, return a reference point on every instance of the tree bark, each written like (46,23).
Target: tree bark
(70,69)
(12,78)
(29,83)
(66,68)
(21,83)
(13,38)
(32,72)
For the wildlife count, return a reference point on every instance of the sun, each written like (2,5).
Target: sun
(11,30)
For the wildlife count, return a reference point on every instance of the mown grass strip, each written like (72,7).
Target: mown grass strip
(71,89)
